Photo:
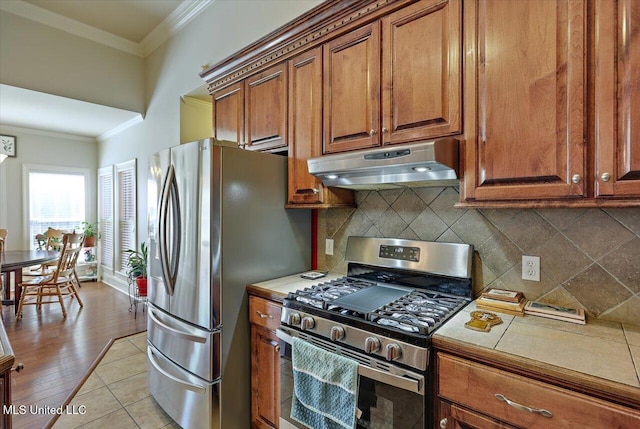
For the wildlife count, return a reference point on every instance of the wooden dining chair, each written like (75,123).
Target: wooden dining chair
(51,240)
(49,289)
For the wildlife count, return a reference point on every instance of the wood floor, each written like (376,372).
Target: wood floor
(58,353)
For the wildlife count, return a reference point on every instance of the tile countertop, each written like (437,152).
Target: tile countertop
(277,289)
(601,355)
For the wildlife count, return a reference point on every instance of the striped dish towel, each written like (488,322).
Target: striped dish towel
(325,388)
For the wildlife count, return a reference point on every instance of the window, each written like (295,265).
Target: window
(125,212)
(105,216)
(55,197)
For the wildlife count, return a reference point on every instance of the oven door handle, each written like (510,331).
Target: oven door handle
(415,385)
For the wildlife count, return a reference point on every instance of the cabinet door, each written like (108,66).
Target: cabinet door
(421,71)
(352,90)
(305,126)
(266,109)
(228,113)
(525,129)
(617,98)
(265,378)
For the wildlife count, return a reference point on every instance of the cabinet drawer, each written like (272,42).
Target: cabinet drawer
(264,313)
(475,386)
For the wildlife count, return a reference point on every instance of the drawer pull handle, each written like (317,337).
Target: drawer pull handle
(543,412)
(264,316)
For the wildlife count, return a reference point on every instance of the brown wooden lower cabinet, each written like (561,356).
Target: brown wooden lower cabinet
(475,395)
(265,362)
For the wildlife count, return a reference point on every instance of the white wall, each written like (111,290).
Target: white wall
(42,148)
(44,59)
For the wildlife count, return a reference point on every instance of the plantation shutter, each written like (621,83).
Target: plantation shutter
(126,186)
(105,216)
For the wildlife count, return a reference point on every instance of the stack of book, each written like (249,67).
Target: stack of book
(573,315)
(502,301)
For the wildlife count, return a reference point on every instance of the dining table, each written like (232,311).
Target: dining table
(13,261)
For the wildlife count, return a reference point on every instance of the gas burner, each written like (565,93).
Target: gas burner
(322,294)
(419,312)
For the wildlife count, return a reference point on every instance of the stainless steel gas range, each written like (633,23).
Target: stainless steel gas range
(382,315)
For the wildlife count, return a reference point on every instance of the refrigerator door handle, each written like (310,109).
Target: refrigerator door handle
(186,335)
(189,386)
(165,263)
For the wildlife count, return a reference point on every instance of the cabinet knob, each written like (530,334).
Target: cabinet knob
(576,178)
(385,130)
(443,423)
(19,367)
(372,132)
(605,177)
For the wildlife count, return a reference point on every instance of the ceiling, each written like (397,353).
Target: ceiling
(130,19)
(134,26)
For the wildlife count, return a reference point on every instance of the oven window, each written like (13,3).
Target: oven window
(380,406)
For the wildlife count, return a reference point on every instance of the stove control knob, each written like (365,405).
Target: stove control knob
(393,352)
(294,319)
(372,345)
(307,323)
(337,333)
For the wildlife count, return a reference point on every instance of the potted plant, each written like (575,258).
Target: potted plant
(137,268)
(90,231)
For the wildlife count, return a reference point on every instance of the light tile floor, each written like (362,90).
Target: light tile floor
(115,395)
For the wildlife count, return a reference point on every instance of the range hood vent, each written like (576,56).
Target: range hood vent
(431,163)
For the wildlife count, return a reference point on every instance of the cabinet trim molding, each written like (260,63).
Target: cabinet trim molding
(328,20)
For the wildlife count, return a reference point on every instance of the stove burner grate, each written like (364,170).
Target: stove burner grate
(419,312)
(322,294)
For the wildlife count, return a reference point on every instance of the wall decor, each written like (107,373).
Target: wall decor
(8,145)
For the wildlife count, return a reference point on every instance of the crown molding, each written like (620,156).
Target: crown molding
(195,102)
(172,24)
(163,32)
(34,131)
(120,128)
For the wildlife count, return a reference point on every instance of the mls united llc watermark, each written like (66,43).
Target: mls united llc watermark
(40,409)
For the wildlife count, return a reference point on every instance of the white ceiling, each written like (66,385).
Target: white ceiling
(133,26)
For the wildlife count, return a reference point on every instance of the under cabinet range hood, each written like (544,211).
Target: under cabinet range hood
(430,163)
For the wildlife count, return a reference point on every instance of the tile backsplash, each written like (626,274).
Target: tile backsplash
(589,258)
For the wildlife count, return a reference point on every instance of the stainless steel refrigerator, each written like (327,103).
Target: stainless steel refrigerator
(217,222)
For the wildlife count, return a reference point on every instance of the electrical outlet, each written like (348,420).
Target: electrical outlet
(328,246)
(531,268)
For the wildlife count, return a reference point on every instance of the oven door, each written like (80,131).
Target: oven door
(388,396)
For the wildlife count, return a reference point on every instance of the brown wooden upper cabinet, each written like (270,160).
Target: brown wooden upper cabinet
(305,134)
(421,72)
(253,112)
(525,128)
(266,109)
(544,126)
(395,80)
(228,113)
(617,98)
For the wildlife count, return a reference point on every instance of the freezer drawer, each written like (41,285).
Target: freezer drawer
(194,349)
(189,400)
